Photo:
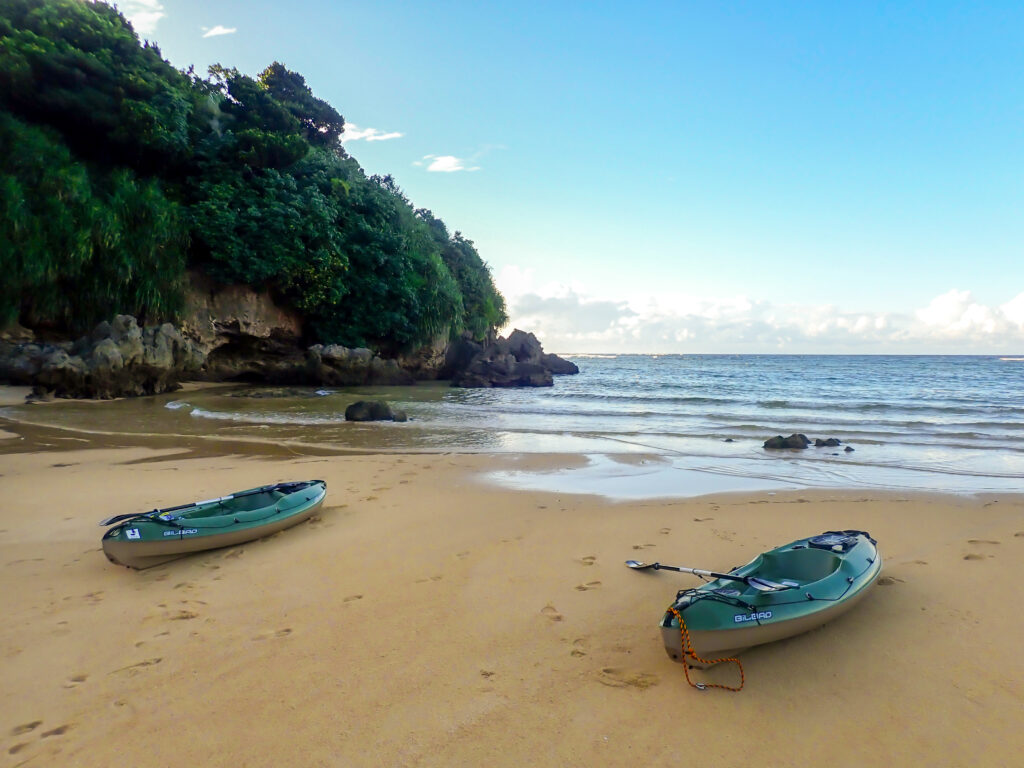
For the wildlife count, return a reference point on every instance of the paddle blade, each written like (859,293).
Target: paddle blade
(637,565)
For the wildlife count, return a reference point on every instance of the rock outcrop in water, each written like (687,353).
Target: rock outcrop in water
(518,361)
(373,410)
(801,441)
(793,441)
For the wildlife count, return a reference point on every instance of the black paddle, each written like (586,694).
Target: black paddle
(762,585)
(156,512)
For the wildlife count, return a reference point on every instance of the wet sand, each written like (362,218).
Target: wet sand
(428,618)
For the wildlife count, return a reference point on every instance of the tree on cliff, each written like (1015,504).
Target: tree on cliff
(119,171)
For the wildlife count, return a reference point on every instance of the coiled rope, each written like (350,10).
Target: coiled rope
(689,653)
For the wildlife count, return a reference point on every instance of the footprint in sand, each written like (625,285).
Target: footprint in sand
(182,616)
(273,634)
(975,556)
(20,730)
(578,645)
(432,578)
(141,643)
(133,669)
(351,598)
(644,546)
(233,553)
(702,519)
(94,598)
(665,531)
(60,730)
(551,612)
(887,581)
(588,560)
(1018,535)
(75,680)
(616,677)
(588,585)
(981,541)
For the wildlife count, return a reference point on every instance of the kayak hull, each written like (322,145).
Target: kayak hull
(724,618)
(143,542)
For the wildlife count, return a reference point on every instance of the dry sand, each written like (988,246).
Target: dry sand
(426,618)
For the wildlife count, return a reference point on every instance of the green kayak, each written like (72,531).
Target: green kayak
(780,593)
(150,538)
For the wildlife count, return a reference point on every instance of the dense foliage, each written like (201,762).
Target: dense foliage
(118,172)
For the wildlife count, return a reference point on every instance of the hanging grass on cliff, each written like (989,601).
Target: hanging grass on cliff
(118,172)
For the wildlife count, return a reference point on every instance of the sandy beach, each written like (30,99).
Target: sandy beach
(428,618)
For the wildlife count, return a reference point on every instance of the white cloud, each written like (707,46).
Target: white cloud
(354,133)
(143,14)
(569,320)
(445,164)
(219,30)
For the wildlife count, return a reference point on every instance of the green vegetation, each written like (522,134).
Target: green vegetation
(118,172)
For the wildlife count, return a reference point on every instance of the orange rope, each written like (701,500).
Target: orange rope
(689,652)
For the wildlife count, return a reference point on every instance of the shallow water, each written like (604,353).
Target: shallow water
(919,423)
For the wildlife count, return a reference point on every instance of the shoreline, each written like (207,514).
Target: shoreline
(24,437)
(428,617)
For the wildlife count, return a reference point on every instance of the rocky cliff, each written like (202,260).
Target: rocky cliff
(235,333)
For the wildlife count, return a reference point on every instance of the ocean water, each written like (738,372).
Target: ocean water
(654,425)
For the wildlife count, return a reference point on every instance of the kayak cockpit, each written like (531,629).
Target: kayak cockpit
(249,503)
(802,565)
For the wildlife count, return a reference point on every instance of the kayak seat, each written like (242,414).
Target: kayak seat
(802,566)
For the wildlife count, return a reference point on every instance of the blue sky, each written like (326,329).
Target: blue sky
(758,176)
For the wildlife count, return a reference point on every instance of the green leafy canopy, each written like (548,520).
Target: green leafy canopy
(118,173)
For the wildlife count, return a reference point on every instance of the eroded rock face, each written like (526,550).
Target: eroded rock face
(217,315)
(339,366)
(518,361)
(428,362)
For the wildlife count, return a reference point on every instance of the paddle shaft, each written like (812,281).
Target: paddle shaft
(762,585)
(699,572)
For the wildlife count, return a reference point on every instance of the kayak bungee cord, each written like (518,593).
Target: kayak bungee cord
(689,652)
